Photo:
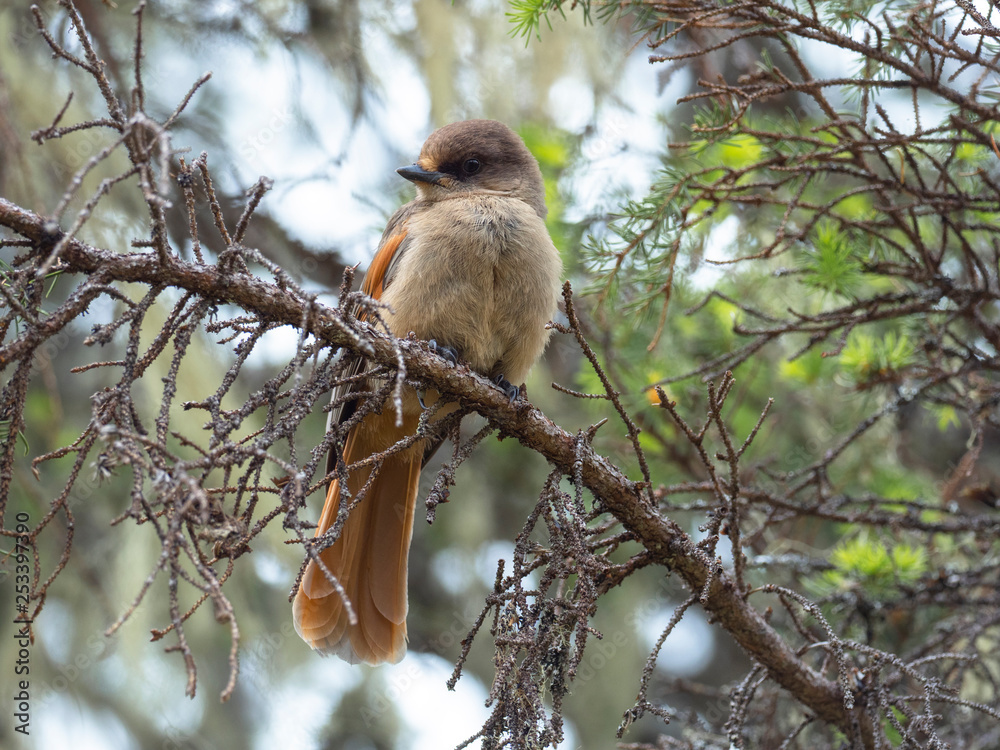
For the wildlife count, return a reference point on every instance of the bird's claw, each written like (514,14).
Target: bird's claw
(510,390)
(450,353)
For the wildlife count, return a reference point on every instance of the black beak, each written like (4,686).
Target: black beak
(416,173)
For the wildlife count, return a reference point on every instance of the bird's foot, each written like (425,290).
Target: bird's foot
(450,353)
(510,390)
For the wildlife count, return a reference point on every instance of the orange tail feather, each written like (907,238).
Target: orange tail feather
(369,558)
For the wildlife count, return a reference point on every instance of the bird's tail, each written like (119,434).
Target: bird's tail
(369,559)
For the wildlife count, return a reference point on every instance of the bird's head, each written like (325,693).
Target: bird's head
(477,157)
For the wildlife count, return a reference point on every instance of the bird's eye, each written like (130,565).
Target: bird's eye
(471,166)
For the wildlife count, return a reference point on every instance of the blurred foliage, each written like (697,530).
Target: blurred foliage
(869,565)
(839,253)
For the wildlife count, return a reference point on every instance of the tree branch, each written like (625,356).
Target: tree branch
(666,542)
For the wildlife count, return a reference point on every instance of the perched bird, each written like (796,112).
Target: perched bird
(469,266)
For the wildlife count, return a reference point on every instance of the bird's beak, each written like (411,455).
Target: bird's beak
(416,173)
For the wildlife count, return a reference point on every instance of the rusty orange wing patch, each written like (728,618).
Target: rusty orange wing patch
(375,279)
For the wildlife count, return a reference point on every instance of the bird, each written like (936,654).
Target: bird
(469,267)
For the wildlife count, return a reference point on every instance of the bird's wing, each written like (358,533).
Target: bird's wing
(395,241)
(392,245)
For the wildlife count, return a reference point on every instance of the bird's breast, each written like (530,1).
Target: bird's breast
(479,275)
(493,233)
